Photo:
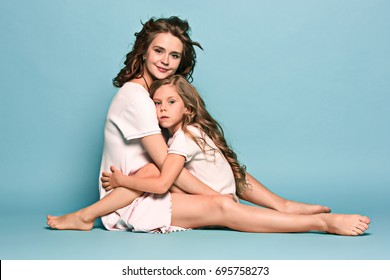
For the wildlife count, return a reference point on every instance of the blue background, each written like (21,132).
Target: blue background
(301,88)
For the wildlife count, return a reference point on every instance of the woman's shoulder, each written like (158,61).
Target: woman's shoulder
(131,92)
(133,87)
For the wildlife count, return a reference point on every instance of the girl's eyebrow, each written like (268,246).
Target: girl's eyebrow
(168,97)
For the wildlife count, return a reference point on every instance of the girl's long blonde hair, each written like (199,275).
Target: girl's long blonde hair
(199,117)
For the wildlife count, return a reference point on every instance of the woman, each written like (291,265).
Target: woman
(132,136)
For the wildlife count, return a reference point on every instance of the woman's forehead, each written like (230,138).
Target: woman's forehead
(168,42)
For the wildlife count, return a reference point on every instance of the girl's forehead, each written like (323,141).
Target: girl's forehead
(166,90)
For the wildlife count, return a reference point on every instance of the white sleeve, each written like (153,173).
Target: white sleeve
(138,119)
(182,144)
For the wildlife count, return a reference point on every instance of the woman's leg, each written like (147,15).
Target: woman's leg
(191,211)
(84,218)
(260,195)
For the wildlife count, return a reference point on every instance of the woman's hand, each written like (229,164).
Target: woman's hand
(112,180)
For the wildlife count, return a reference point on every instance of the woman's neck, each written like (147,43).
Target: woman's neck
(141,82)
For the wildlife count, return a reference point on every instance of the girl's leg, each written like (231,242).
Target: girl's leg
(262,196)
(222,211)
(84,219)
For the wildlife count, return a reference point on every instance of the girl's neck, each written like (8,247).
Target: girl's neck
(173,130)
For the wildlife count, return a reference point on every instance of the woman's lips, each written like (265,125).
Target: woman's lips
(162,70)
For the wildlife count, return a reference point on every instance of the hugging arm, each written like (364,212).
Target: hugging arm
(157,149)
(172,166)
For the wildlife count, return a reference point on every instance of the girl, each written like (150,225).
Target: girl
(196,141)
(133,139)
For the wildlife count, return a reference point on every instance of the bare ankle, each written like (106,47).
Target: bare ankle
(322,222)
(86,216)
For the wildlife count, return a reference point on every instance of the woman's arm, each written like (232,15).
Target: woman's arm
(172,166)
(158,150)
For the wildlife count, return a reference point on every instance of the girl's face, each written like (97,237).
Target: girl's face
(163,57)
(170,108)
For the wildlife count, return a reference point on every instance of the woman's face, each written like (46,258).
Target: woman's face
(163,57)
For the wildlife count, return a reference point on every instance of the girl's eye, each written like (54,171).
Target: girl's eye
(172,101)
(157,102)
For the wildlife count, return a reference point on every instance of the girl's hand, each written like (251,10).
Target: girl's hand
(112,180)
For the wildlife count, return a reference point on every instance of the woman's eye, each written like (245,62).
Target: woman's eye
(157,102)
(171,101)
(158,50)
(176,56)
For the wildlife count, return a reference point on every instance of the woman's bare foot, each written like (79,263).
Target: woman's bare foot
(72,221)
(344,224)
(293,207)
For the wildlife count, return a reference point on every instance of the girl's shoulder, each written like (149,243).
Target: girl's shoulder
(185,135)
(195,130)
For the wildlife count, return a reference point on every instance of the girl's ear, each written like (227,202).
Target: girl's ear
(189,115)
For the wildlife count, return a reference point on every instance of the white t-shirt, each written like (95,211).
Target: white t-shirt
(211,167)
(131,116)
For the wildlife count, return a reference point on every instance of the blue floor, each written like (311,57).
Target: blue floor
(27,237)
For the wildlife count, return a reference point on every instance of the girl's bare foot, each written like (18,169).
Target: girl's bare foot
(294,207)
(72,221)
(343,224)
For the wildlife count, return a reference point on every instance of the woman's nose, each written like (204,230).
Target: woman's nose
(165,60)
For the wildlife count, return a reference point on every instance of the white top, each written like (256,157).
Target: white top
(211,167)
(131,116)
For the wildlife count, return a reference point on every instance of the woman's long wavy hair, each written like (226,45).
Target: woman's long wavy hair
(198,116)
(134,65)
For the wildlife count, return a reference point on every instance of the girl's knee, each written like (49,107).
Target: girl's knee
(224,203)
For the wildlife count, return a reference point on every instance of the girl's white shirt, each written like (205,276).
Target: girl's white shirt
(210,166)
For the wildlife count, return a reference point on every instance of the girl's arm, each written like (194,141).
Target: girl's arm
(172,166)
(158,150)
